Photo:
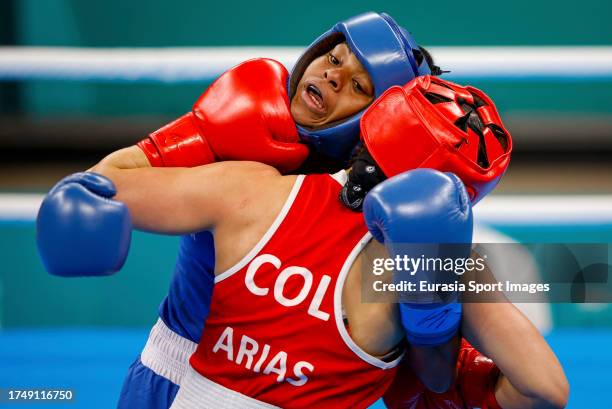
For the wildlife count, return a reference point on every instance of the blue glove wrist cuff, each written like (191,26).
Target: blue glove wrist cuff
(430,324)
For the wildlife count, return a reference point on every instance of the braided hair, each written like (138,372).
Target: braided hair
(421,54)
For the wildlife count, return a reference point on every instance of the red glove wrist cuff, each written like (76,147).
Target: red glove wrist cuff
(491,400)
(151,152)
(180,144)
(477,378)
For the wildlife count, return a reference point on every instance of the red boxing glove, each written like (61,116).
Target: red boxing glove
(477,377)
(406,391)
(474,387)
(243,115)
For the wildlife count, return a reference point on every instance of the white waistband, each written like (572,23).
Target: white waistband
(167,353)
(199,392)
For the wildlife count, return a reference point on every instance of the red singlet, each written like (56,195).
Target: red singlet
(275,331)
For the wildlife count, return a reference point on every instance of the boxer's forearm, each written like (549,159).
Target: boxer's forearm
(501,332)
(508,397)
(533,373)
(187,200)
(435,367)
(166,200)
(151,205)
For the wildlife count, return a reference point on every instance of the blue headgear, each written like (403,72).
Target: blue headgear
(385,50)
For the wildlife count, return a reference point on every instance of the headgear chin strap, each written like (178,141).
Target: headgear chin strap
(385,50)
(432,123)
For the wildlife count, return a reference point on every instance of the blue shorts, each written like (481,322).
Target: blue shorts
(144,389)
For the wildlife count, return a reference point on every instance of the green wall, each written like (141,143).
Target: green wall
(116,23)
(31,297)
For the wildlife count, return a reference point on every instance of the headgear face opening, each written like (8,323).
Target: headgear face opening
(386,51)
(433,123)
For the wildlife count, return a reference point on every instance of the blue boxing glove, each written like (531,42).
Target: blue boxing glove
(80,230)
(424,214)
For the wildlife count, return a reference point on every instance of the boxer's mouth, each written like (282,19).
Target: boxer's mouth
(313,98)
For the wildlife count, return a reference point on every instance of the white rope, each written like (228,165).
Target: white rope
(130,64)
(511,209)
(545,210)
(19,206)
(207,63)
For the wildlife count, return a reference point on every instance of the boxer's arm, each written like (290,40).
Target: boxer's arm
(435,366)
(440,213)
(376,328)
(532,375)
(184,200)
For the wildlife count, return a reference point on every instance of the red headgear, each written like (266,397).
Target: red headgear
(433,123)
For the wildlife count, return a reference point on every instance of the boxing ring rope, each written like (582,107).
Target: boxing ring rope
(504,209)
(180,65)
